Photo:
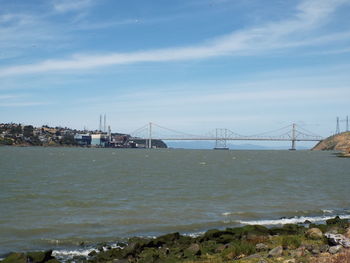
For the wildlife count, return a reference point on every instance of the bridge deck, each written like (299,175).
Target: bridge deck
(230,139)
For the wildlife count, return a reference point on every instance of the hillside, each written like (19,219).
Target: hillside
(338,142)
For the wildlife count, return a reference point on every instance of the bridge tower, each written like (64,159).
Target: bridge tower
(149,136)
(221,139)
(293,137)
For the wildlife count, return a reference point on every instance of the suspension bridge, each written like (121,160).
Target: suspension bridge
(290,133)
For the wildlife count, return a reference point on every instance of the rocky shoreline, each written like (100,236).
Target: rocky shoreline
(292,243)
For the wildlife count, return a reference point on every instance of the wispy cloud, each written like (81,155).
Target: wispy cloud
(70,5)
(19,100)
(101,25)
(5,97)
(25,33)
(22,104)
(288,33)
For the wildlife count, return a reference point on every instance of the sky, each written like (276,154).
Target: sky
(189,65)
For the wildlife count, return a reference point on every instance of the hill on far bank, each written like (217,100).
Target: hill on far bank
(337,142)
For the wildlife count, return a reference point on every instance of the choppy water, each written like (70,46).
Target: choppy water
(59,197)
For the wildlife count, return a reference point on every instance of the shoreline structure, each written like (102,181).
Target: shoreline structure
(289,243)
(13,134)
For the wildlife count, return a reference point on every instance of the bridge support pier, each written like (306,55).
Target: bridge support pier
(293,137)
(293,146)
(149,145)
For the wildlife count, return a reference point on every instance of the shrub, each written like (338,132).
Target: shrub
(238,248)
(291,242)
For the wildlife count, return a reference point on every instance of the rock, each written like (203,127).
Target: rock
(309,247)
(325,255)
(288,229)
(193,250)
(343,223)
(307,222)
(230,256)
(135,246)
(292,260)
(240,256)
(315,251)
(261,247)
(39,257)
(213,234)
(221,248)
(249,232)
(253,256)
(120,261)
(121,244)
(148,255)
(92,253)
(347,233)
(323,248)
(168,239)
(15,258)
(210,247)
(225,239)
(335,249)
(275,252)
(338,239)
(333,230)
(314,233)
(299,252)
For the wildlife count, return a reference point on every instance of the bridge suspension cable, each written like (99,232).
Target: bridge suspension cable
(291,133)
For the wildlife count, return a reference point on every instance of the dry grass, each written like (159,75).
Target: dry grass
(343,257)
(206,259)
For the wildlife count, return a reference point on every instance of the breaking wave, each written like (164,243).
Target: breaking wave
(293,220)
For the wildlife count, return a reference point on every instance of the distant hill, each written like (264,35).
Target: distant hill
(338,142)
(211,145)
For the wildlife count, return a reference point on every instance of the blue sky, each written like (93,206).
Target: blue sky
(194,65)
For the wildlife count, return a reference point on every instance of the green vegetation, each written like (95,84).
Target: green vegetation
(249,244)
(6,141)
(291,242)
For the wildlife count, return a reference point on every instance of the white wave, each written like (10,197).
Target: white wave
(232,213)
(69,254)
(194,235)
(72,253)
(327,211)
(293,220)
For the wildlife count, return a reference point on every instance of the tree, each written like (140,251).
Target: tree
(28,131)
(16,129)
(68,140)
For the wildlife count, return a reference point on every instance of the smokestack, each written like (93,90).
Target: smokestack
(104,125)
(100,127)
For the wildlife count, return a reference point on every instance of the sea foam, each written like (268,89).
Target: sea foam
(293,220)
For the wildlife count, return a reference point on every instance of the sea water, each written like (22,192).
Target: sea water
(59,198)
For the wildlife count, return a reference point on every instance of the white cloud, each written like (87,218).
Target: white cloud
(18,100)
(5,97)
(71,5)
(288,33)
(22,104)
